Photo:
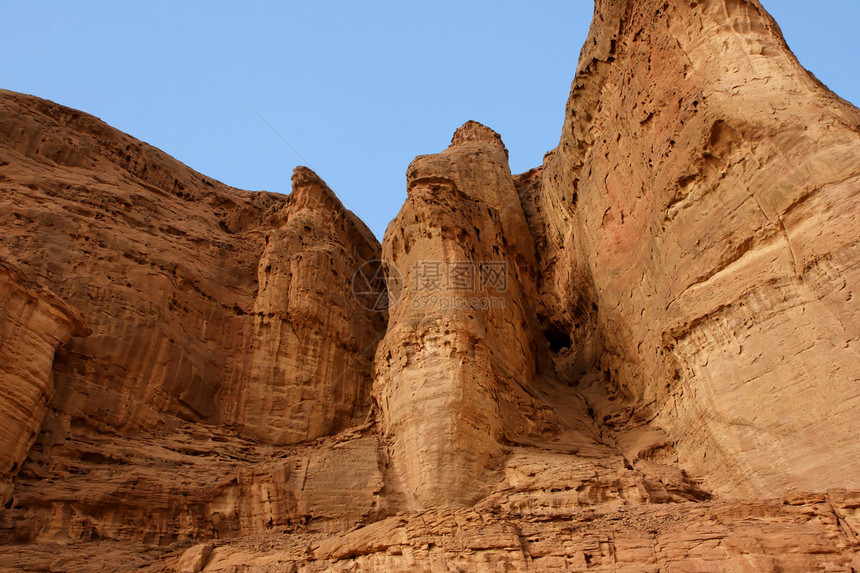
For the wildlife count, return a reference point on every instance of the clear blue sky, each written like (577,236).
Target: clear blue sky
(358,88)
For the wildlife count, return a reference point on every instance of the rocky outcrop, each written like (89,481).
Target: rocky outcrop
(193,483)
(160,260)
(163,263)
(706,187)
(639,356)
(459,372)
(792,534)
(310,359)
(713,537)
(33,324)
(214,312)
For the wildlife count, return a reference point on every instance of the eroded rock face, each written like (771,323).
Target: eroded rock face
(623,360)
(163,263)
(461,370)
(792,534)
(209,306)
(193,483)
(310,359)
(435,385)
(33,324)
(160,260)
(711,537)
(708,184)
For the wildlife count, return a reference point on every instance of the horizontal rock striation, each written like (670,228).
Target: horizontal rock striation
(716,536)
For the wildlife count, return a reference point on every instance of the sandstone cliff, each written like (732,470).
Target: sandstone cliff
(186,356)
(459,368)
(33,324)
(312,346)
(639,356)
(708,191)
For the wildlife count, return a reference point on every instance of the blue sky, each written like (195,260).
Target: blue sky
(358,88)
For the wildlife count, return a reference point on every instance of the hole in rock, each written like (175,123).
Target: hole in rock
(92,457)
(558,338)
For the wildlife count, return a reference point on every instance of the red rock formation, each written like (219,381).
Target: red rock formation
(33,324)
(309,361)
(706,186)
(160,260)
(669,363)
(457,373)
(189,356)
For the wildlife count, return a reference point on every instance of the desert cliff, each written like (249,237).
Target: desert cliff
(641,355)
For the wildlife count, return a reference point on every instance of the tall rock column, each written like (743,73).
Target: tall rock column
(310,361)
(457,338)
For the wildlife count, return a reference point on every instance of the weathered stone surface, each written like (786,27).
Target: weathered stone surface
(754,536)
(163,263)
(191,484)
(195,558)
(33,324)
(310,358)
(664,380)
(708,186)
(189,350)
(160,260)
(459,373)
(770,535)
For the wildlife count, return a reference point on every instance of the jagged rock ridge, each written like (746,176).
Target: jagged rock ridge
(673,338)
